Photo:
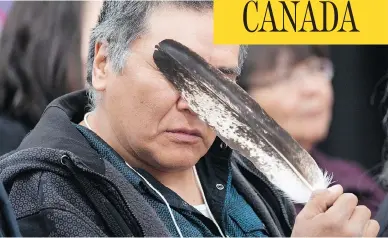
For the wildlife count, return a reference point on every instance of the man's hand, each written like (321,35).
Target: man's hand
(332,213)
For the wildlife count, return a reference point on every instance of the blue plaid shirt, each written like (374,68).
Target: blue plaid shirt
(236,218)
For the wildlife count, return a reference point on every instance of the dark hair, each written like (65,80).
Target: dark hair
(264,58)
(40,57)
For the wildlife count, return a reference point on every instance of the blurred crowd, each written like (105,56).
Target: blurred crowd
(52,65)
(44,47)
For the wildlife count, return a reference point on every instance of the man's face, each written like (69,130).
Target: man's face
(147,115)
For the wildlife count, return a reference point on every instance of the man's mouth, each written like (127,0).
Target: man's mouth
(185,135)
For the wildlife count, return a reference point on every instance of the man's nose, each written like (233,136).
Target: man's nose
(183,105)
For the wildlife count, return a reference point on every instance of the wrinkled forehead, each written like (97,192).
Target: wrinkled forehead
(193,28)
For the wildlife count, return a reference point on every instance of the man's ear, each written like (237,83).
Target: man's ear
(100,66)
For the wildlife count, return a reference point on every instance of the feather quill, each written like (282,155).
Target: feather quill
(240,122)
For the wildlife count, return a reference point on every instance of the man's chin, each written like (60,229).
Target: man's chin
(179,161)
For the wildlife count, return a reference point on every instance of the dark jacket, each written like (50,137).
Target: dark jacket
(8,224)
(11,134)
(59,186)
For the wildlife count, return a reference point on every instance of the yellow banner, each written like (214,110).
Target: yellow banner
(301,22)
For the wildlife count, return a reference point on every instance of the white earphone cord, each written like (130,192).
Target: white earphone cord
(148,183)
(163,198)
(206,204)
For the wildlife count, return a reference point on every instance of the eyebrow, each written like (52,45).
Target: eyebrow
(235,71)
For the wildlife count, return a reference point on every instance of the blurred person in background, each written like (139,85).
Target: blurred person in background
(382,213)
(293,85)
(90,11)
(41,59)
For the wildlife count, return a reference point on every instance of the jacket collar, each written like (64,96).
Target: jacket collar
(55,130)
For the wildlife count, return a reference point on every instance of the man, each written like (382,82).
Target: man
(140,162)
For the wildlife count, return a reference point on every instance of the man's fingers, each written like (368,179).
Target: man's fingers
(361,215)
(331,213)
(320,201)
(371,229)
(359,220)
(343,207)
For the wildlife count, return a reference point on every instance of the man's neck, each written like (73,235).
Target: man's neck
(182,182)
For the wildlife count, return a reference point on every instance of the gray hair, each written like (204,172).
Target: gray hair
(121,22)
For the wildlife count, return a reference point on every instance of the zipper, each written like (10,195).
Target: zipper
(277,195)
(139,228)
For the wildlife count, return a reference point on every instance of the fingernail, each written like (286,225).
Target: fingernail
(335,188)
